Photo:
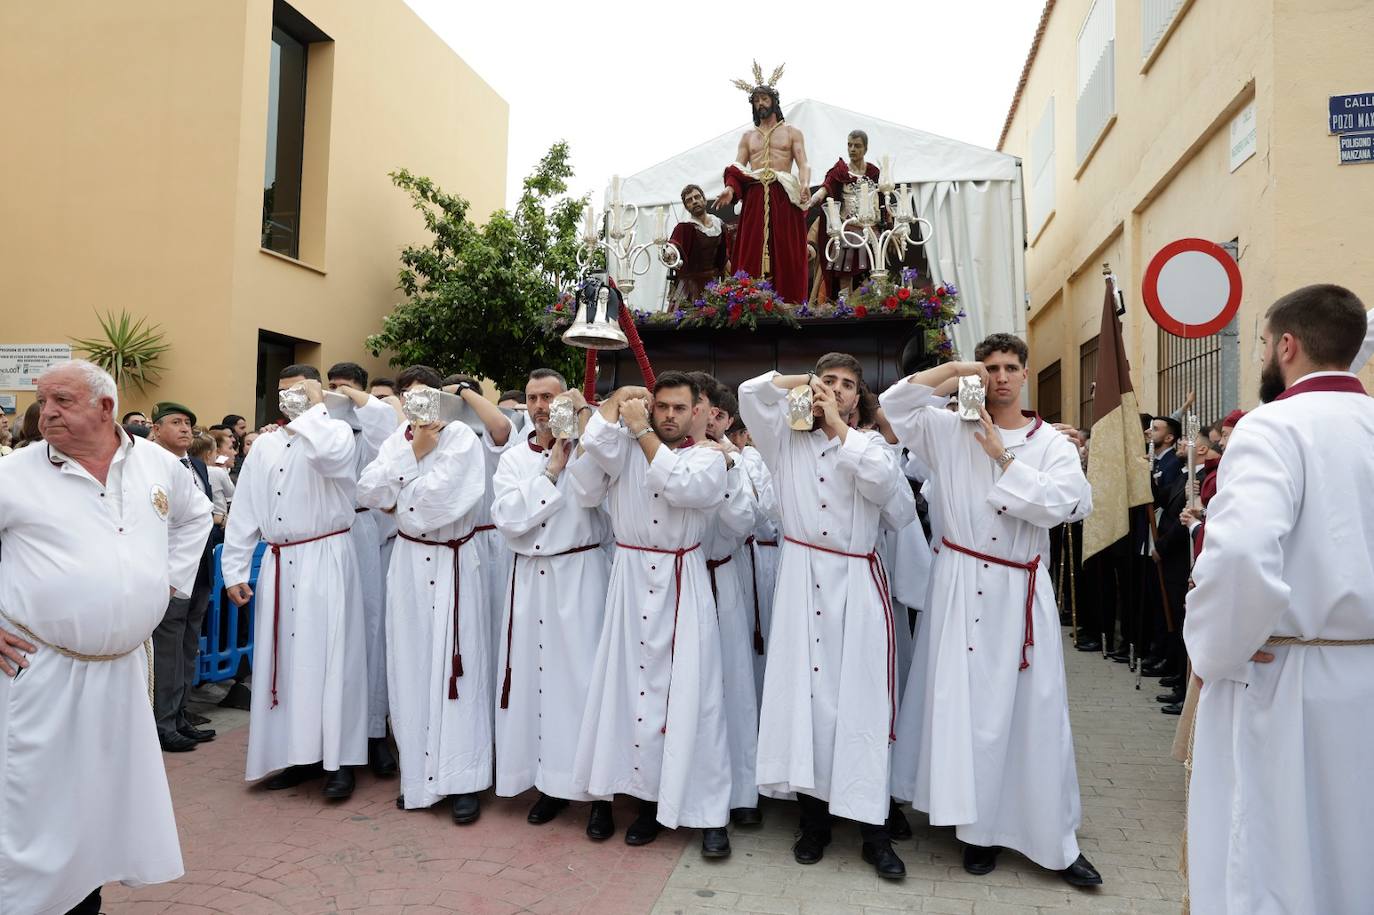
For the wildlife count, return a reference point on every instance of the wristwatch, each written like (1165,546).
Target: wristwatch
(585,406)
(642,432)
(1004,459)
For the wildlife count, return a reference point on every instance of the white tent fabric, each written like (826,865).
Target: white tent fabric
(971,195)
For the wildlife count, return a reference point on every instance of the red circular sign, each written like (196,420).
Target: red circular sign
(1192,287)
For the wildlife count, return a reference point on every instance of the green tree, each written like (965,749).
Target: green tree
(475,294)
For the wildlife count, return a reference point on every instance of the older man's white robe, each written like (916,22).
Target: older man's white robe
(83,793)
(1280,801)
(829,691)
(733,588)
(376,421)
(495,553)
(296,484)
(654,725)
(988,747)
(555,601)
(763,552)
(445,739)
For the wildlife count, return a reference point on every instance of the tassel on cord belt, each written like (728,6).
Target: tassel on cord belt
(276,549)
(1030,568)
(456,668)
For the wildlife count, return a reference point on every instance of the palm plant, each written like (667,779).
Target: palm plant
(129,349)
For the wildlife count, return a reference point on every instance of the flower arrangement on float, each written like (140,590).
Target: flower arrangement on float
(740,301)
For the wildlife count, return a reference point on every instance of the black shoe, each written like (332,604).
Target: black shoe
(1174,709)
(196,734)
(292,776)
(1162,669)
(466,809)
(1170,697)
(884,860)
(1153,660)
(400,802)
(644,829)
(746,816)
(545,809)
(177,742)
(897,825)
(979,860)
(380,759)
(810,848)
(1089,646)
(239,697)
(715,843)
(1173,681)
(600,823)
(340,784)
(1121,656)
(1081,873)
(193,719)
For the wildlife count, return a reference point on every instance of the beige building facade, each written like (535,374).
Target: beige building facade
(1139,122)
(220,169)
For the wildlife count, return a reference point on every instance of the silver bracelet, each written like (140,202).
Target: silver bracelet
(642,432)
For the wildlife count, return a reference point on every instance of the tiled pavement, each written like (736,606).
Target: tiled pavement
(251,851)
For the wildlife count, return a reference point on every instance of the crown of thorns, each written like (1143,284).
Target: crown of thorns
(759,82)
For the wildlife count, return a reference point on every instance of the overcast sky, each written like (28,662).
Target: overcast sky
(631,84)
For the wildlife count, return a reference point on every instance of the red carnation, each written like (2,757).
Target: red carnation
(768,306)
(940,290)
(734,312)
(744,283)
(890,303)
(557,306)
(904,293)
(860,311)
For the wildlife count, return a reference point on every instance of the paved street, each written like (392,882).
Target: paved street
(252,851)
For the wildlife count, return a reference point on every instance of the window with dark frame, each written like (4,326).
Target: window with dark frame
(1190,365)
(283,171)
(1087,380)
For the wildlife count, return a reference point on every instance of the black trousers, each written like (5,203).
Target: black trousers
(88,906)
(816,820)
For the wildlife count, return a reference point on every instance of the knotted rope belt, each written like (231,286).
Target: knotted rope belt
(879,576)
(678,556)
(510,617)
(1030,568)
(456,667)
(754,578)
(29,634)
(276,549)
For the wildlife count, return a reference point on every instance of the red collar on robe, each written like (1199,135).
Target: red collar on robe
(1340,384)
(687,442)
(410,433)
(535,446)
(1032,415)
(841,173)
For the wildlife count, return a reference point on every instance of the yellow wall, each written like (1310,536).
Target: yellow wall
(140,177)
(1162,171)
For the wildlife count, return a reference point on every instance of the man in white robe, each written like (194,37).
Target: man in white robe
(988,748)
(555,599)
(1279,801)
(439,659)
(654,726)
(372,422)
(763,545)
(732,586)
(96,529)
(296,491)
(829,692)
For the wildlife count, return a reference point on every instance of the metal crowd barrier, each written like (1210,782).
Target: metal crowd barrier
(226,639)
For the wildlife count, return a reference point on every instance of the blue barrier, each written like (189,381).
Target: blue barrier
(221,650)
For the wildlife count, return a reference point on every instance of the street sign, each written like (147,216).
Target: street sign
(1357,147)
(1346,113)
(1192,287)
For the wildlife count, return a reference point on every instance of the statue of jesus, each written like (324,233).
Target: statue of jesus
(771,239)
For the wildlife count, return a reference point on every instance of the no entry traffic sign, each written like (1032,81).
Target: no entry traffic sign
(1192,287)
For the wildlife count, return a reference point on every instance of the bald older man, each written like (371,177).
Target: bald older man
(97,530)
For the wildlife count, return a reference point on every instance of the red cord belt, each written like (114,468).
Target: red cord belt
(456,667)
(678,557)
(276,596)
(879,576)
(510,618)
(1030,568)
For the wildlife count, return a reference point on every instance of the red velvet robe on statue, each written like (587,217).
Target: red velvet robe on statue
(703,259)
(786,235)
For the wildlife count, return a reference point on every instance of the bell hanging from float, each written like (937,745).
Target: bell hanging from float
(596,324)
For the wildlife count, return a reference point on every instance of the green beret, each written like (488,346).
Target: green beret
(167,408)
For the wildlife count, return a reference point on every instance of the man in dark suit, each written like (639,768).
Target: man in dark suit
(176,641)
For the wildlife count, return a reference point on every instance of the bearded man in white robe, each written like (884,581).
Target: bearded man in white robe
(1280,629)
(439,660)
(554,602)
(654,725)
(830,688)
(97,530)
(989,749)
